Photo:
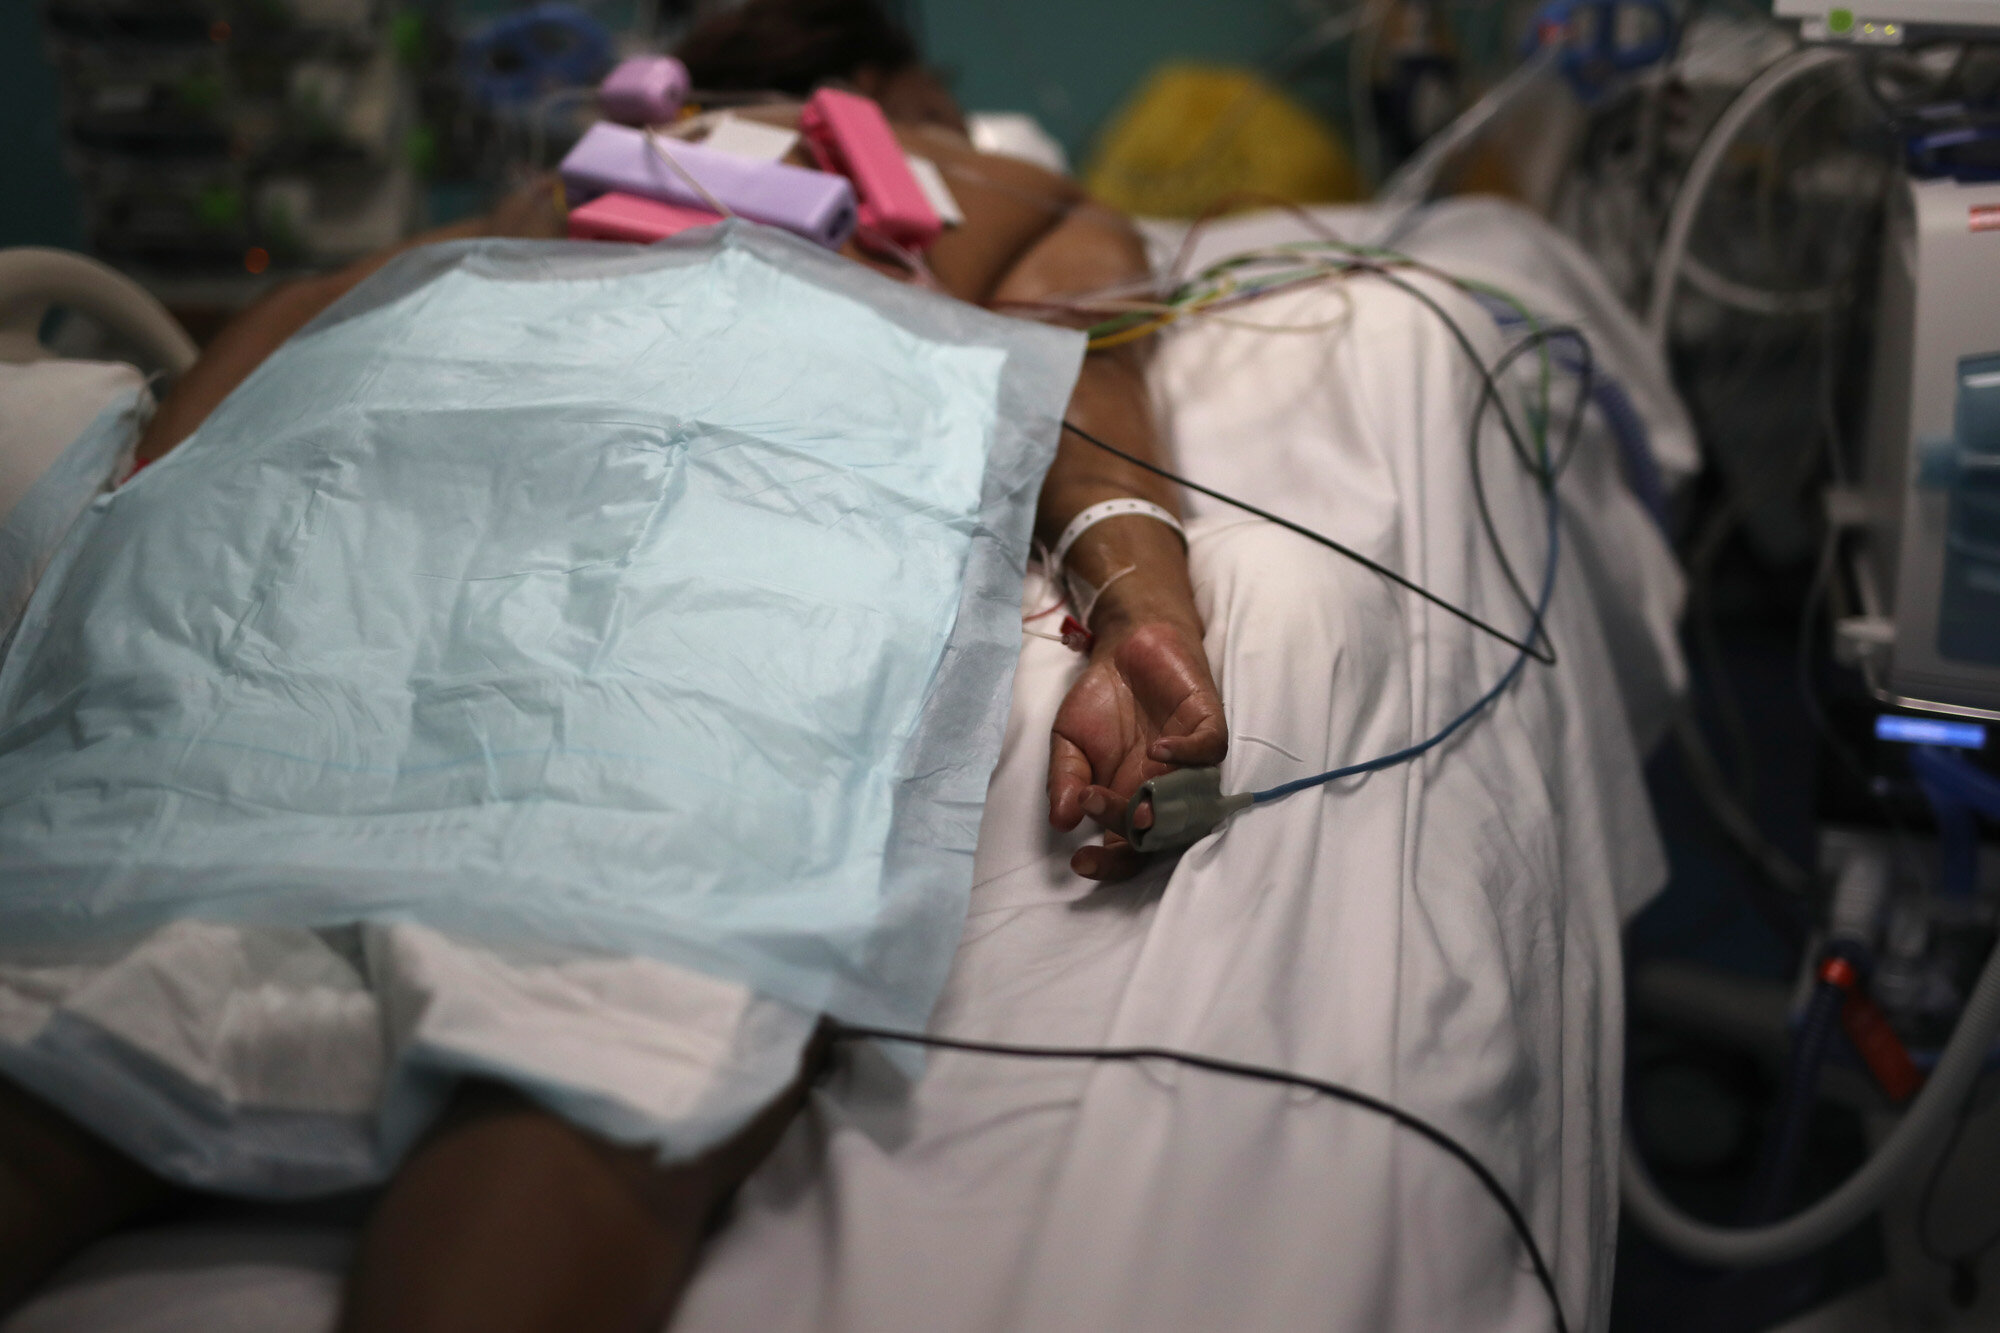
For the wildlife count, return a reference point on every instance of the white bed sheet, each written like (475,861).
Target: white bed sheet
(1443,935)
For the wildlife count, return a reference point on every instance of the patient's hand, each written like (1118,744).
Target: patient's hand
(1146,703)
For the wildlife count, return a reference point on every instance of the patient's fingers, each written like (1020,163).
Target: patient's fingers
(1207,744)
(1105,806)
(1069,778)
(1114,860)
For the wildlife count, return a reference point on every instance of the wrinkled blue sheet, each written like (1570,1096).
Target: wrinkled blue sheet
(662,601)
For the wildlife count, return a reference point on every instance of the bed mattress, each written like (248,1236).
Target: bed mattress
(1442,935)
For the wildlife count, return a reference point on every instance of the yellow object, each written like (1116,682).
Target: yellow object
(1194,135)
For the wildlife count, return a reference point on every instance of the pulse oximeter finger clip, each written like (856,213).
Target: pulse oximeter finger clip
(1187,805)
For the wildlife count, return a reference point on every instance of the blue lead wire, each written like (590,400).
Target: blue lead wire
(1422,747)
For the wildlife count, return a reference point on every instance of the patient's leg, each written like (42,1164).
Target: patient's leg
(60,1189)
(509,1219)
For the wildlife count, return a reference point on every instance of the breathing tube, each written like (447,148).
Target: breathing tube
(1772,1186)
(1949,781)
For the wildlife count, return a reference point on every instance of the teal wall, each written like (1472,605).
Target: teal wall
(1070,64)
(37,201)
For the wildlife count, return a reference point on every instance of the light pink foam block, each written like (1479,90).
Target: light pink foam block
(626,217)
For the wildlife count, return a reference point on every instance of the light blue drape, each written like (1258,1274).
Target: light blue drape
(663,601)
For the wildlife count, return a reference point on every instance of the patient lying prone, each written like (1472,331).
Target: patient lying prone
(504,1214)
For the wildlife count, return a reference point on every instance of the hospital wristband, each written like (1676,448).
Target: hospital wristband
(1097,513)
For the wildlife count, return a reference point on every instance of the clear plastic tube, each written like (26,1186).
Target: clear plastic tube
(1708,159)
(1413,181)
(1923,1127)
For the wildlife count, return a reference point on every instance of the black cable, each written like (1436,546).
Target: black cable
(1490,387)
(1546,471)
(1306,532)
(1264,1074)
(1489,396)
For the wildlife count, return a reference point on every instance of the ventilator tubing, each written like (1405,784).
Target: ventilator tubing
(1923,1126)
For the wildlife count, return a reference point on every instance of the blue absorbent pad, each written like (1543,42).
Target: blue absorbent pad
(658,601)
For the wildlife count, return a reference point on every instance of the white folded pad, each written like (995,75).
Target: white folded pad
(288,1039)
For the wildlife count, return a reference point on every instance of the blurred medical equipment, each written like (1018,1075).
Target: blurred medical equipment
(215,147)
(515,61)
(1926,507)
(1595,44)
(1915,524)
(1413,182)
(1888,22)
(1604,40)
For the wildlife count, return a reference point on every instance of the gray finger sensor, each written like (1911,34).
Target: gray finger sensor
(1187,806)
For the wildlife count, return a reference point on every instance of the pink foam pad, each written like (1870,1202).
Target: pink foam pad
(626,217)
(645,90)
(850,135)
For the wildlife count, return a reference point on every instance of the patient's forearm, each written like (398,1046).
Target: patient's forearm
(265,325)
(1111,403)
(1092,249)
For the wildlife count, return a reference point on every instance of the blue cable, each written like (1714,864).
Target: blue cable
(1422,747)
(1218,808)
(1513,672)
(1628,427)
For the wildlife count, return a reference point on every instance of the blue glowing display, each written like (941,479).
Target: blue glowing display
(1930,731)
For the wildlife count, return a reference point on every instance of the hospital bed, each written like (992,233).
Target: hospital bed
(1443,935)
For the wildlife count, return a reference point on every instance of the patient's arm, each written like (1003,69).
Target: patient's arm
(261,328)
(1147,701)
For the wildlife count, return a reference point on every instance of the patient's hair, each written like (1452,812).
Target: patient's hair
(794,46)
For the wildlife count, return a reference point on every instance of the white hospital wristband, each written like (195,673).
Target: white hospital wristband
(1097,513)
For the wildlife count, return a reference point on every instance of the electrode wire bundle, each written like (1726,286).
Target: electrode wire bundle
(1296,264)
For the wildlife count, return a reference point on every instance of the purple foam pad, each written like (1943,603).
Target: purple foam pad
(645,90)
(816,205)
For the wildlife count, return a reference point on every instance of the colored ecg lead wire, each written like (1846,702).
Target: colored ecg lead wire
(1260,1073)
(1545,469)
